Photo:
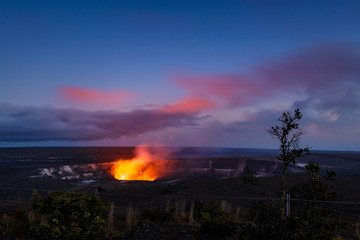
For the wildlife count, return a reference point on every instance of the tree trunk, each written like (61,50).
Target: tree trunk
(283,191)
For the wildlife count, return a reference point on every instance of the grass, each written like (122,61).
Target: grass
(16,217)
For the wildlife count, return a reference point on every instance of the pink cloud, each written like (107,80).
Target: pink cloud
(313,72)
(87,95)
(234,90)
(190,105)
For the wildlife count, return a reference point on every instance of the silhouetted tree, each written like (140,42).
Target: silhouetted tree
(288,134)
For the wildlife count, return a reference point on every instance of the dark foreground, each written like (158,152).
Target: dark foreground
(20,170)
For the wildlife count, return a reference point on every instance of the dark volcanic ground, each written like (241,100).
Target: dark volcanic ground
(49,169)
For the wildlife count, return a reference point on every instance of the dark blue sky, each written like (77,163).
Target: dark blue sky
(205,73)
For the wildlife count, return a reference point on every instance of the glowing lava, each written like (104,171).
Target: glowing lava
(135,169)
(145,166)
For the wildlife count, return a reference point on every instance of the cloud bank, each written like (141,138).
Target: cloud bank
(21,124)
(324,82)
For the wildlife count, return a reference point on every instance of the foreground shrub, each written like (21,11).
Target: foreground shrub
(216,222)
(3,229)
(158,215)
(311,217)
(14,223)
(62,215)
(263,222)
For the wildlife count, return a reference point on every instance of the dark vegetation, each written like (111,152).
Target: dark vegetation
(62,215)
(59,215)
(71,215)
(86,216)
(309,219)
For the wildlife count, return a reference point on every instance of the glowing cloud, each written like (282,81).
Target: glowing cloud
(87,95)
(230,89)
(189,106)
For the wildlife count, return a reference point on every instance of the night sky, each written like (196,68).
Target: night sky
(178,72)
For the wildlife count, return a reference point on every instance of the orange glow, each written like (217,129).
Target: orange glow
(145,166)
(135,169)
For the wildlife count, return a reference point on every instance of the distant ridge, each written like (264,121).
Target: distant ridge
(211,149)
